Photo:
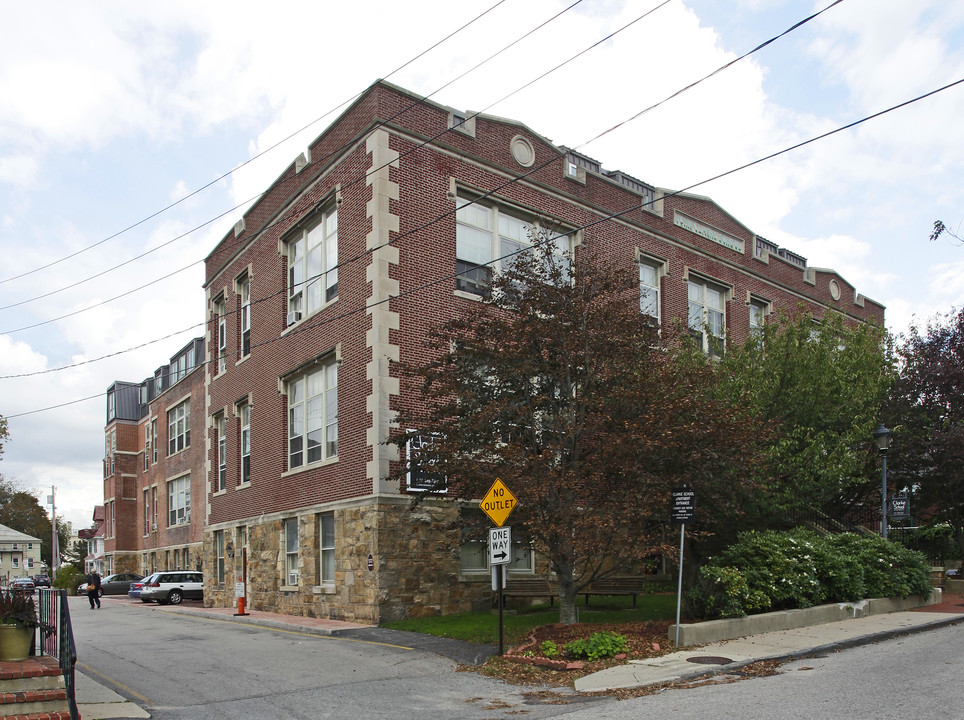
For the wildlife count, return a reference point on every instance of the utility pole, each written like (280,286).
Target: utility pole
(54,543)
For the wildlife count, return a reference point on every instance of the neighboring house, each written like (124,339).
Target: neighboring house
(19,554)
(94,537)
(391,222)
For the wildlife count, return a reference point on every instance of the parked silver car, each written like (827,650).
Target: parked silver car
(172,586)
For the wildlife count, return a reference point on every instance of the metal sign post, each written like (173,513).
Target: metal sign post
(500,552)
(684,505)
(498,504)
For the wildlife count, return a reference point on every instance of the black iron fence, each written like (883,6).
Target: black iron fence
(57,639)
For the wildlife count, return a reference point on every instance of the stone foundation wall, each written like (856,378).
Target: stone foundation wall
(390,562)
(127,562)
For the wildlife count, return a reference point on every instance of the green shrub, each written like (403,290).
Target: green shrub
(599,645)
(797,569)
(549,649)
(889,569)
(723,592)
(67,577)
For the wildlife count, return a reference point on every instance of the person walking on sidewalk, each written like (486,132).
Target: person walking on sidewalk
(93,589)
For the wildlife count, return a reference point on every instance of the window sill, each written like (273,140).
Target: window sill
(289,588)
(218,493)
(305,318)
(468,296)
(243,359)
(326,589)
(312,466)
(242,486)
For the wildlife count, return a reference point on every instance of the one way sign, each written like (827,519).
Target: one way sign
(500,545)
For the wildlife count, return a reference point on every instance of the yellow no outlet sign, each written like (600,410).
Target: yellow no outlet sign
(498,502)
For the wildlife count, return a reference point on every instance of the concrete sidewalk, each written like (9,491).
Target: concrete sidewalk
(729,655)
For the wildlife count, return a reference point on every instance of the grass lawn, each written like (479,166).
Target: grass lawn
(483,627)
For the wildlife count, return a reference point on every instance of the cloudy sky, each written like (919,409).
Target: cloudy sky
(110,113)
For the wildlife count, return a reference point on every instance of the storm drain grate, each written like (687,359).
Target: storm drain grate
(709,660)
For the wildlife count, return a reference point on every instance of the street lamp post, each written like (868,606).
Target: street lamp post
(882,438)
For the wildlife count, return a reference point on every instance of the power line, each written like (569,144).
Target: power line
(246,162)
(489,193)
(359,179)
(254,198)
(611,216)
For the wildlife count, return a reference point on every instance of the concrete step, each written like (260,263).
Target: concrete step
(33,689)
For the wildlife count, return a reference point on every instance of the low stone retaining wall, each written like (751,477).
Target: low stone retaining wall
(730,628)
(954,586)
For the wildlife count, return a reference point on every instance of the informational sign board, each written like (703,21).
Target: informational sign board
(498,503)
(899,506)
(684,506)
(239,589)
(500,545)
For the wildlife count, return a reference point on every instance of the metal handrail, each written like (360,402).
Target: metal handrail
(57,639)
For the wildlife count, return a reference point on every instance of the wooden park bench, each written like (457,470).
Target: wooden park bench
(616,586)
(528,587)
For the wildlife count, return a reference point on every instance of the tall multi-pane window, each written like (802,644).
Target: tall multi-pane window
(291,551)
(649,292)
(222,427)
(758,313)
(179,427)
(313,416)
(326,548)
(219,553)
(147,446)
(245,414)
(147,514)
(487,239)
(154,440)
(706,319)
(179,501)
(245,287)
(154,507)
(313,265)
(220,310)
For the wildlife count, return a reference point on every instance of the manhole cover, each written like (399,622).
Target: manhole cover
(709,660)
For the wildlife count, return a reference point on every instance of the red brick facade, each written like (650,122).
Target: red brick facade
(391,169)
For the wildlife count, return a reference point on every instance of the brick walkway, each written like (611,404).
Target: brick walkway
(948,604)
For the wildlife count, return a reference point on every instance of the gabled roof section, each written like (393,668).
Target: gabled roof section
(709,201)
(8,534)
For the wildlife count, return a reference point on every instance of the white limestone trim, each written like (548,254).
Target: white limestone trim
(383,320)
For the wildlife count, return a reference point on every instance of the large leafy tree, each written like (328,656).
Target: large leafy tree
(926,412)
(819,388)
(560,388)
(24,513)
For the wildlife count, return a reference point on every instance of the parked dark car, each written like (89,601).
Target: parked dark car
(134,592)
(41,580)
(116,584)
(22,585)
(119,583)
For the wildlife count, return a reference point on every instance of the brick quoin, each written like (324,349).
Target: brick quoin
(390,561)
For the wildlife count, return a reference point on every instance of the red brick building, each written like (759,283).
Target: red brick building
(391,222)
(154,475)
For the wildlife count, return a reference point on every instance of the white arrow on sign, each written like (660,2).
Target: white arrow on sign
(500,545)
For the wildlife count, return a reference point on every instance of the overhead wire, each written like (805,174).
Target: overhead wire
(357,180)
(254,198)
(483,196)
(606,218)
(251,159)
